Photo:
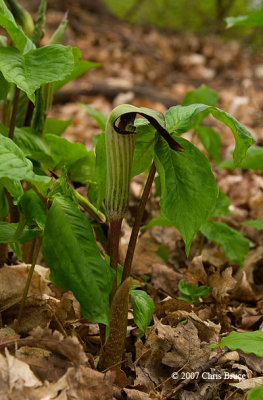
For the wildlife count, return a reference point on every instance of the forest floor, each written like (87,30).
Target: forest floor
(149,68)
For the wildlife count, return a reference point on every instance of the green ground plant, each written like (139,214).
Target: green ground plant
(40,207)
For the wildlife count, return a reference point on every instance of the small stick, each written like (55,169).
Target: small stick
(137,224)
(28,281)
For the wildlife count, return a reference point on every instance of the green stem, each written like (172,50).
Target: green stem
(99,216)
(137,224)
(29,278)
(13,116)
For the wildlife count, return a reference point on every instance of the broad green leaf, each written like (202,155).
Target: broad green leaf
(79,161)
(14,187)
(37,67)
(13,163)
(234,244)
(8,231)
(30,143)
(33,209)
(256,223)
(4,207)
(202,95)
(71,252)
(144,147)
(83,170)
(56,126)
(3,130)
(253,19)
(256,393)
(189,189)
(7,21)
(100,118)
(15,166)
(253,160)
(143,308)
(180,119)
(79,68)
(4,87)
(211,142)
(248,342)
(222,205)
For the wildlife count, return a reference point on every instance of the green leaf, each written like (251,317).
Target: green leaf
(193,292)
(7,21)
(30,143)
(234,244)
(79,161)
(253,19)
(79,68)
(14,187)
(15,166)
(253,160)
(248,342)
(202,95)
(37,67)
(143,308)
(4,207)
(33,209)
(70,251)
(189,189)
(222,205)
(256,223)
(4,87)
(13,163)
(56,126)
(256,393)
(100,118)
(8,231)
(39,29)
(211,142)
(144,147)
(163,253)
(180,119)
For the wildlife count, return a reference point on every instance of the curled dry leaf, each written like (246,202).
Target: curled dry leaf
(248,383)
(68,347)
(197,271)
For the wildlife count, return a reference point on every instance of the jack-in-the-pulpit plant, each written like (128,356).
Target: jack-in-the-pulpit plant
(40,171)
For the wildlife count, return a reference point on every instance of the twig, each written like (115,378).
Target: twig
(137,224)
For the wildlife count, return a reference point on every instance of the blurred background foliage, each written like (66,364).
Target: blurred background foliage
(188,15)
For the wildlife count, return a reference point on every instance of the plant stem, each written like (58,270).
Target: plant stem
(137,224)
(29,113)
(29,277)
(114,232)
(13,116)
(99,216)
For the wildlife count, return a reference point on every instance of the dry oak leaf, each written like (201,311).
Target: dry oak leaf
(13,279)
(55,342)
(208,331)
(248,383)
(221,283)
(166,279)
